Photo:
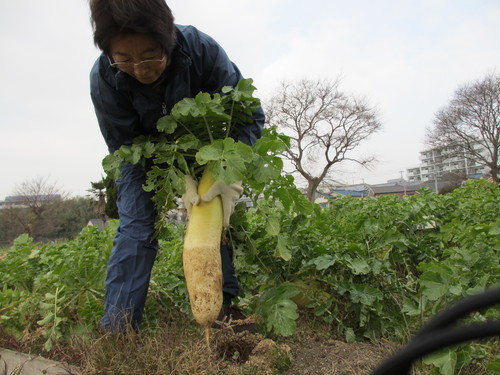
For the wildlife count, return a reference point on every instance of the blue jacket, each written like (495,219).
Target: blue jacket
(125,108)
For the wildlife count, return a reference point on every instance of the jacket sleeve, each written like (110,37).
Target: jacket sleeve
(220,71)
(118,121)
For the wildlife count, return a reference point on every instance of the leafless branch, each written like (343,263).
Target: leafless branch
(472,121)
(324,125)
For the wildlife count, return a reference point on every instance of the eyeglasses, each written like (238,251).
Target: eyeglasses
(129,65)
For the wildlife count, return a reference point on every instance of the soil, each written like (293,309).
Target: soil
(334,357)
(308,357)
(309,352)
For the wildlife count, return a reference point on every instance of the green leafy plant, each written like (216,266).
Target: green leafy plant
(200,132)
(54,290)
(376,267)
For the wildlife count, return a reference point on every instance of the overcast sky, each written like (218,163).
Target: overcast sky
(405,57)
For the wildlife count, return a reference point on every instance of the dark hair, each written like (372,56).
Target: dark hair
(113,17)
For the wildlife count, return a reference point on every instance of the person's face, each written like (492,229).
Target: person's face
(138,55)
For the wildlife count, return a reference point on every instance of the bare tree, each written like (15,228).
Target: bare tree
(38,196)
(472,121)
(324,124)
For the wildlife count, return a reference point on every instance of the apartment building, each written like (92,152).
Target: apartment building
(436,162)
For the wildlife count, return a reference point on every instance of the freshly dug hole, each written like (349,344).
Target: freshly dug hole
(252,352)
(236,347)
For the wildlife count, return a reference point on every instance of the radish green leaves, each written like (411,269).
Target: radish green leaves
(200,133)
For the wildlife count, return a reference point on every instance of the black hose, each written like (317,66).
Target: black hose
(439,333)
(461,309)
(401,362)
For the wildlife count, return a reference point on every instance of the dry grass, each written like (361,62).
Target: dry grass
(163,353)
(177,347)
(176,350)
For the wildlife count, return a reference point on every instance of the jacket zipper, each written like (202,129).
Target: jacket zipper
(164,108)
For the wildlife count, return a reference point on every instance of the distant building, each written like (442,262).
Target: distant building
(400,188)
(438,162)
(325,192)
(25,201)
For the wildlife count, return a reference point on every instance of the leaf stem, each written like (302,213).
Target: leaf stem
(230,120)
(208,129)
(185,127)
